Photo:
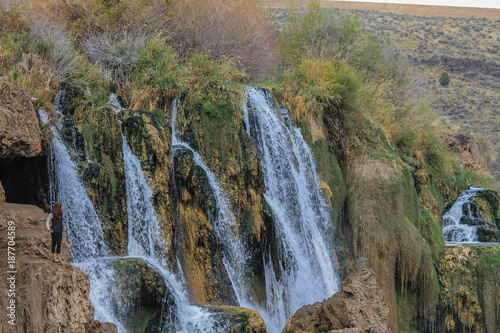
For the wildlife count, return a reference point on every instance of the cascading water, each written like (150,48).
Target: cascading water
(453,229)
(301,213)
(84,229)
(146,243)
(234,257)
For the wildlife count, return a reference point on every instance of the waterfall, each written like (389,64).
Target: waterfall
(453,229)
(84,229)
(146,243)
(302,216)
(224,223)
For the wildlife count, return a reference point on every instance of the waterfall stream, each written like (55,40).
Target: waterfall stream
(224,223)
(463,224)
(146,243)
(84,229)
(301,214)
(303,273)
(454,231)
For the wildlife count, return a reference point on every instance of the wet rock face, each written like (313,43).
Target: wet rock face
(468,151)
(243,320)
(20,135)
(358,307)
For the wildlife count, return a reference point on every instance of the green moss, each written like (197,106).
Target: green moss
(489,288)
(489,206)
(470,298)
(328,168)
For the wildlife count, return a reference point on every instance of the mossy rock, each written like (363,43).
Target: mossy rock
(147,303)
(241,320)
(470,298)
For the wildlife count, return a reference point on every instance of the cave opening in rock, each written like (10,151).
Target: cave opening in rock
(25,180)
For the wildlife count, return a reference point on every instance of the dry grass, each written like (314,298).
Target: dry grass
(401,9)
(226,28)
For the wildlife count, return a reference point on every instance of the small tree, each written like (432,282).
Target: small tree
(444,79)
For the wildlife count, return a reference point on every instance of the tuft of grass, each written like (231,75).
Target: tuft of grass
(56,46)
(315,85)
(116,55)
(156,77)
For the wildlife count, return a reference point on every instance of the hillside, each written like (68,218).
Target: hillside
(466,47)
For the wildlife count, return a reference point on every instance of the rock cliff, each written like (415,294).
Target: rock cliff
(20,135)
(48,297)
(358,307)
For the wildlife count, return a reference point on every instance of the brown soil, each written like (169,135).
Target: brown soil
(401,9)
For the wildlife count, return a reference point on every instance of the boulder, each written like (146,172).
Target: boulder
(20,134)
(358,307)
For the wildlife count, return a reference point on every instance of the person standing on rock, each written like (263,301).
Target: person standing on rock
(56,230)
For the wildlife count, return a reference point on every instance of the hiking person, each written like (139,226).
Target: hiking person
(56,230)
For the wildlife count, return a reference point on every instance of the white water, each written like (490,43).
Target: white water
(301,213)
(234,257)
(115,104)
(84,229)
(453,231)
(146,243)
(91,254)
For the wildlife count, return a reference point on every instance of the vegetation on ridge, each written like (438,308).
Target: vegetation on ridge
(384,167)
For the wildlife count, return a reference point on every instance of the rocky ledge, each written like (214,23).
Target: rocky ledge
(44,296)
(358,307)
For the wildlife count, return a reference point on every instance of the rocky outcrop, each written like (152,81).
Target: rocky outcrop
(468,150)
(243,320)
(20,135)
(358,307)
(48,297)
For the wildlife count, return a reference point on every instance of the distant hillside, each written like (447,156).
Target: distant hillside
(401,9)
(467,48)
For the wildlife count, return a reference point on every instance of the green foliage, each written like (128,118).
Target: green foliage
(488,202)
(444,79)
(217,83)
(469,288)
(318,33)
(489,289)
(14,38)
(315,85)
(156,77)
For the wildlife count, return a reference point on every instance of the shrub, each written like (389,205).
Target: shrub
(214,83)
(156,77)
(317,33)
(444,79)
(236,29)
(86,18)
(14,39)
(327,34)
(56,46)
(114,54)
(315,84)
